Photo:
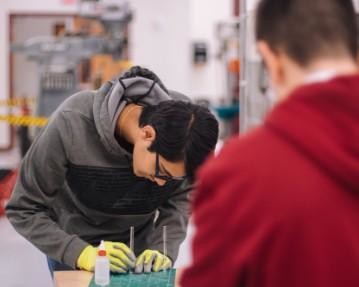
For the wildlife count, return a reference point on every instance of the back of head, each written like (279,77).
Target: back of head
(184,132)
(308,29)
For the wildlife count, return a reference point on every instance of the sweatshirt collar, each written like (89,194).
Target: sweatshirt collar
(320,76)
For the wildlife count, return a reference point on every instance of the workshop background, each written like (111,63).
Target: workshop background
(53,48)
(49,49)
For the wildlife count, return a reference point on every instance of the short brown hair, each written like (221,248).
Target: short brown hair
(308,29)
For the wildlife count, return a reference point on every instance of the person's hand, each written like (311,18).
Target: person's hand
(120,256)
(86,260)
(152,260)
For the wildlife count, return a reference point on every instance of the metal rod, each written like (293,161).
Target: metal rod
(132,238)
(165,240)
(243,60)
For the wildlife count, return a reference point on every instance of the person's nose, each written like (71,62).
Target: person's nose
(160,182)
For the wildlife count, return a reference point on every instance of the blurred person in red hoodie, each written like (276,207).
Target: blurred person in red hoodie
(280,206)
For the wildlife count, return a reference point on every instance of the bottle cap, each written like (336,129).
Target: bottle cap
(102,245)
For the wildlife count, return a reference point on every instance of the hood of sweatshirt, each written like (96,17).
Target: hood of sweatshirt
(113,96)
(321,121)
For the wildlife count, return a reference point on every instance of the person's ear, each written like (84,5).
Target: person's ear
(273,63)
(148,133)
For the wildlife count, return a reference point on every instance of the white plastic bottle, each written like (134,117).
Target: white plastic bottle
(102,267)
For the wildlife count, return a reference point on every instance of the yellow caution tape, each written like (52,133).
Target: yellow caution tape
(25,120)
(17,102)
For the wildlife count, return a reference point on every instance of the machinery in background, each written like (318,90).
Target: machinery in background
(114,16)
(247,96)
(254,100)
(228,55)
(58,57)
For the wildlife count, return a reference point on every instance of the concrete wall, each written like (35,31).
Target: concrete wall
(208,80)
(160,40)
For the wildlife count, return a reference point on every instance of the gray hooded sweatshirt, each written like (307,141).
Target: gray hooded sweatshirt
(76,184)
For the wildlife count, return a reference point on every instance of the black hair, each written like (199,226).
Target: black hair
(184,132)
(308,29)
(137,71)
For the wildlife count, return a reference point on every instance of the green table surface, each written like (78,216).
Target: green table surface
(154,279)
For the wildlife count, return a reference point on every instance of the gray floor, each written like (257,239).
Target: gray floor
(22,265)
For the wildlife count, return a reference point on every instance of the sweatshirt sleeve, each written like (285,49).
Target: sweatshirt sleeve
(174,214)
(41,176)
(227,228)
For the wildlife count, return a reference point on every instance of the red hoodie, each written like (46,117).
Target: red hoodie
(280,206)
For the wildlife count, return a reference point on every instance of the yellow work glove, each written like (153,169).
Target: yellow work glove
(121,257)
(152,260)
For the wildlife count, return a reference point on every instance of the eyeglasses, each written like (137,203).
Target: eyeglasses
(165,177)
